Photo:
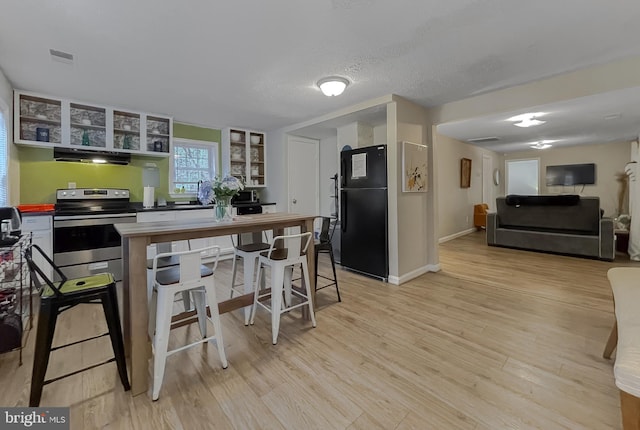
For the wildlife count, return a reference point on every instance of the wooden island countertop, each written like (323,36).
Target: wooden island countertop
(135,239)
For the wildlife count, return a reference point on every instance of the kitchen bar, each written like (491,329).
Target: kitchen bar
(135,239)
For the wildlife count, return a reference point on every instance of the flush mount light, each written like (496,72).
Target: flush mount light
(529,123)
(527,119)
(333,85)
(543,144)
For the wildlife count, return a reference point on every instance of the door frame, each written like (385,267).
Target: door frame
(304,140)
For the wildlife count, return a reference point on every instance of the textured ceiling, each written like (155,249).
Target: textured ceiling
(255,63)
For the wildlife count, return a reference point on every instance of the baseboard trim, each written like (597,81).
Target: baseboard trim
(398,280)
(456,235)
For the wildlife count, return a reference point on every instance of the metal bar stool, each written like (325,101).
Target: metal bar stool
(324,245)
(57,297)
(193,277)
(282,261)
(247,246)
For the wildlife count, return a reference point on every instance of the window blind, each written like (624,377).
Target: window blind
(4,161)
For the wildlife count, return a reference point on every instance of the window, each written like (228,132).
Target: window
(4,159)
(522,176)
(192,161)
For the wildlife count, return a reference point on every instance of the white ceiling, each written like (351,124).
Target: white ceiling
(255,63)
(607,117)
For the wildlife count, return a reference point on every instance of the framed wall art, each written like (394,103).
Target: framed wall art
(465,173)
(414,167)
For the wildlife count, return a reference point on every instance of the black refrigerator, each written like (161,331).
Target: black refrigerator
(363,211)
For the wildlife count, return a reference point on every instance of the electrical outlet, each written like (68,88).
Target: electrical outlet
(71,185)
(467,219)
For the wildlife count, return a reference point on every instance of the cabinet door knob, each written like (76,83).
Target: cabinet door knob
(294,201)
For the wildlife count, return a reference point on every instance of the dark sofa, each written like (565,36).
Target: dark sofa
(564,224)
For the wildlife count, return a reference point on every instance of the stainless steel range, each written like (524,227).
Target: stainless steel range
(84,239)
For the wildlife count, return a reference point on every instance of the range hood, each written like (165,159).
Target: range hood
(86,156)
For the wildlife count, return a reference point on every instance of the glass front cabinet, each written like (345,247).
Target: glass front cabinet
(243,156)
(47,122)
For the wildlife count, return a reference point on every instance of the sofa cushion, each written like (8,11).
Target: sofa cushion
(561,199)
(580,218)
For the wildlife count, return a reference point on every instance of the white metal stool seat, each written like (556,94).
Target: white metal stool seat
(249,252)
(198,280)
(282,261)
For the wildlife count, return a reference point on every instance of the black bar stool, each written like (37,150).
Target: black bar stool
(57,297)
(323,245)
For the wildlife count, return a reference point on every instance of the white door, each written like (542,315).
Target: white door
(304,186)
(487,181)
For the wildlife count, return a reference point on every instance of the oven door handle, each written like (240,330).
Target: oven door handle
(81,217)
(75,222)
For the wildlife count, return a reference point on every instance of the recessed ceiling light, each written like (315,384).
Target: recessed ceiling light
(333,85)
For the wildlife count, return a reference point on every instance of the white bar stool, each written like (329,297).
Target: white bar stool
(249,246)
(167,263)
(282,261)
(189,276)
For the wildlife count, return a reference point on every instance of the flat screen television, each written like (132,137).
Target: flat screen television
(571,174)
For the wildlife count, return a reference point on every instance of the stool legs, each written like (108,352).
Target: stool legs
(277,281)
(217,326)
(44,338)
(308,292)
(110,306)
(333,267)
(201,309)
(161,339)
(281,283)
(335,276)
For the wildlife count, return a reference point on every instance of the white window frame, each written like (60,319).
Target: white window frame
(214,151)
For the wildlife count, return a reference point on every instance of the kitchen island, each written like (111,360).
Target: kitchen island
(135,239)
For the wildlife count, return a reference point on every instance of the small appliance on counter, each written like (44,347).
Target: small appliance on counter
(10,225)
(247,202)
(148,199)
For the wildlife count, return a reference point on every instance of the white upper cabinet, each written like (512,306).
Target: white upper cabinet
(47,122)
(243,156)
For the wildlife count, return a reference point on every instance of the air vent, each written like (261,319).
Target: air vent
(63,57)
(483,139)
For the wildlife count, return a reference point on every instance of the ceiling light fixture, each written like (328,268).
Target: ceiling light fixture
(333,85)
(543,144)
(527,119)
(529,123)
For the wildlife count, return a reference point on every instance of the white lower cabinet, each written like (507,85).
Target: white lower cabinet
(41,229)
(224,242)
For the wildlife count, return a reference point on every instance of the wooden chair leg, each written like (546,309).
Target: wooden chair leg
(612,342)
(630,409)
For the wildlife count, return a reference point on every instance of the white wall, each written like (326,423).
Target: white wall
(610,159)
(412,220)
(6,95)
(455,204)
(329,166)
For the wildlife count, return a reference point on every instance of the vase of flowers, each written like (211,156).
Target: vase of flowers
(224,189)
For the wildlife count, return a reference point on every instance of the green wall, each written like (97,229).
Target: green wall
(41,176)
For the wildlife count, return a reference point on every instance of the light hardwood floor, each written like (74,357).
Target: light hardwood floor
(499,339)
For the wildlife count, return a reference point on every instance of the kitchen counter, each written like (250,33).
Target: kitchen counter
(137,206)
